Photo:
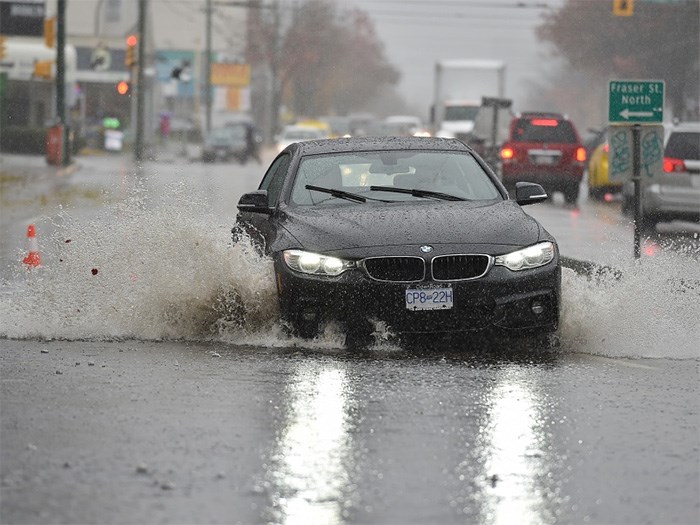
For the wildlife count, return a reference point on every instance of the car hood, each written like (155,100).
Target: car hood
(347,227)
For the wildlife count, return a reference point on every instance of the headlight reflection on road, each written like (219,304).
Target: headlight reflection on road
(514,460)
(310,475)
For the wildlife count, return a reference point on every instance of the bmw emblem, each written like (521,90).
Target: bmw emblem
(426,249)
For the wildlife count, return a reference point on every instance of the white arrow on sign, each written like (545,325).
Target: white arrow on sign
(626,113)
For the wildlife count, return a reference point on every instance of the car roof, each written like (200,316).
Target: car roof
(685,126)
(350,144)
(541,114)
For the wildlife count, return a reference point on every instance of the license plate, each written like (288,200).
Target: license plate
(429,298)
(545,160)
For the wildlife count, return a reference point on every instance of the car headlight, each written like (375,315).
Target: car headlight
(530,257)
(315,263)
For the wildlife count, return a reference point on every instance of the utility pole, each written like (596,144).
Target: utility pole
(140,86)
(207,70)
(274,70)
(61,81)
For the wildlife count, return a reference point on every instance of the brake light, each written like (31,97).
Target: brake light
(673,165)
(507,153)
(580,154)
(545,122)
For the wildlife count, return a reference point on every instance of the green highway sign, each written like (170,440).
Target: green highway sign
(636,101)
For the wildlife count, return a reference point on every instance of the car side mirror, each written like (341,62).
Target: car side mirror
(255,201)
(529,193)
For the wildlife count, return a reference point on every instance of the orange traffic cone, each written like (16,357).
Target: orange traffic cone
(33,258)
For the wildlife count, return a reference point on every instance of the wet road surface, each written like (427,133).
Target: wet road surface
(133,432)
(259,429)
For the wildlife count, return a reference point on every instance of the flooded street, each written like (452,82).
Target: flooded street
(146,378)
(138,432)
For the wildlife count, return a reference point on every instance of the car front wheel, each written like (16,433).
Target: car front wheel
(571,194)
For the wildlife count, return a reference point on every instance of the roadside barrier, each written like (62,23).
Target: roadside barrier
(33,258)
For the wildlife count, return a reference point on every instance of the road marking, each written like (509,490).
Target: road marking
(623,362)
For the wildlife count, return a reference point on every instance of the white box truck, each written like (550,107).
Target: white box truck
(460,86)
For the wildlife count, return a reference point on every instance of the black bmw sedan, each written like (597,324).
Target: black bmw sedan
(417,233)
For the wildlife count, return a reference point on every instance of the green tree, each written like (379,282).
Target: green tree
(659,41)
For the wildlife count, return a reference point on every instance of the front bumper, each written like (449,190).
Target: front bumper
(504,300)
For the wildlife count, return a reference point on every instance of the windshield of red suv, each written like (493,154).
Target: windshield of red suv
(683,145)
(544,130)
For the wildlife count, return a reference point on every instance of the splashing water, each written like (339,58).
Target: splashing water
(651,310)
(141,270)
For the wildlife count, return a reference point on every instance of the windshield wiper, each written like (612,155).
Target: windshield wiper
(418,193)
(338,193)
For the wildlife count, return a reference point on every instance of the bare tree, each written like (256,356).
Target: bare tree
(659,41)
(327,61)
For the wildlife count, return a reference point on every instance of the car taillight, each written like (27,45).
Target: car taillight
(545,122)
(507,153)
(673,165)
(580,154)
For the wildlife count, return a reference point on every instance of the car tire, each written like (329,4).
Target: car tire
(571,194)
(359,336)
(647,225)
(305,329)
(594,194)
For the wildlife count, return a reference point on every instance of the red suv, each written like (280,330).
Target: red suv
(544,148)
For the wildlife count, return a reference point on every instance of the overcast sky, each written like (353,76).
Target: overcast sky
(418,32)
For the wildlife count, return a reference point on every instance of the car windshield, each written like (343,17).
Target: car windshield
(544,130)
(302,134)
(236,132)
(221,136)
(461,112)
(452,173)
(683,145)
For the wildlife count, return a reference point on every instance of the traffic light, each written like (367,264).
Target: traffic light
(623,7)
(49,31)
(130,58)
(2,47)
(123,87)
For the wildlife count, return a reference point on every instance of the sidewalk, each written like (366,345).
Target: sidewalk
(31,167)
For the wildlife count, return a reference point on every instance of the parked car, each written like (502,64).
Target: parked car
(403,126)
(599,183)
(415,232)
(225,143)
(294,133)
(544,148)
(676,193)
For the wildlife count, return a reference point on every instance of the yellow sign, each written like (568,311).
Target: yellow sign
(50,31)
(623,7)
(42,69)
(232,75)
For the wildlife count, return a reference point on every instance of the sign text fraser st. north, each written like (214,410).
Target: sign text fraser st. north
(636,101)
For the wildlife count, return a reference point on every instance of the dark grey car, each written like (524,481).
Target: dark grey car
(417,233)
(226,143)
